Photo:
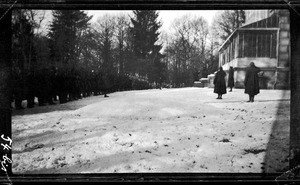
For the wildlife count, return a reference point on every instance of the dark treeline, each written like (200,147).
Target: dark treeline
(76,59)
(73,58)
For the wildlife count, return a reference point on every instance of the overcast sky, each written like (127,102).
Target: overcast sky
(166,16)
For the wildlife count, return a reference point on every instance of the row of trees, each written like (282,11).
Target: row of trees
(191,45)
(78,58)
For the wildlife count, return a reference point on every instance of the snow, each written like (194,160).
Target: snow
(168,130)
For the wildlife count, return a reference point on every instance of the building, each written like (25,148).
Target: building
(265,40)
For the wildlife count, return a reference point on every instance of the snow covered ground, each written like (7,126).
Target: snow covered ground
(168,130)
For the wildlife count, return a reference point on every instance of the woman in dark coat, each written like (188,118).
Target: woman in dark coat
(219,83)
(230,78)
(252,81)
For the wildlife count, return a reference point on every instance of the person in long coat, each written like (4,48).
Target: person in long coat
(219,83)
(252,81)
(107,84)
(230,78)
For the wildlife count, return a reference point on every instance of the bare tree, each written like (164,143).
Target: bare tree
(122,29)
(225,22)
(105,28)
(36,18)
(187,51)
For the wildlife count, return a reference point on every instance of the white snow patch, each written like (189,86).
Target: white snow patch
(168,130)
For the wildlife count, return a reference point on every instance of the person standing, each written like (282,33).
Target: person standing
(219,83)
(231,78)
(252,81)
(106,87)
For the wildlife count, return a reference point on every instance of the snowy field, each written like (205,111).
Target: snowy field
(168,130)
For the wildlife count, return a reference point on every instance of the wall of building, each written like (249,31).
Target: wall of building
(261,62)
(275,71)
(252,16)
(267,75)
(266,78)
(283,71)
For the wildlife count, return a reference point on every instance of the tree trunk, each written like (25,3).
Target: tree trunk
(5,92)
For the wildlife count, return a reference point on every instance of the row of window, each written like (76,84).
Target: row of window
(258,44)
(251,44)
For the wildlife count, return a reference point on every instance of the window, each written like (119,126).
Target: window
(258,43)
(250,43)
(241,45)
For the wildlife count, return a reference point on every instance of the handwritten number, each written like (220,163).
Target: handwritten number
(3,167)
(6,139)
(6,146)
(4,157)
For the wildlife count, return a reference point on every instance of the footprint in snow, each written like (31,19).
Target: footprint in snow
(130,144)
(127,167)
(34,147)
(60,161)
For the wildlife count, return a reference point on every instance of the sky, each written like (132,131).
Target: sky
(166,16)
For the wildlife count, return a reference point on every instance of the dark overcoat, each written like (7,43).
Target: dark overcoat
(252,81)
(230,78)
(219,82)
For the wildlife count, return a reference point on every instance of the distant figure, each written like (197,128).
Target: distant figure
(107,84)
(252,81)
(230,78)
(219,83)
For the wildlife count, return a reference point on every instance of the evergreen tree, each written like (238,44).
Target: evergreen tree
(66,34)
(23,58)
(145,33)
(23,42)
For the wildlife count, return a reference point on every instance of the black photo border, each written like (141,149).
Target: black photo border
(271,178)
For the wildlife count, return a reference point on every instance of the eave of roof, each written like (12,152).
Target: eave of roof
(228,38)
(243,29)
